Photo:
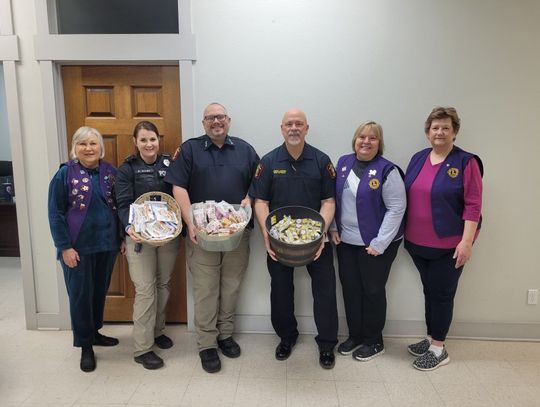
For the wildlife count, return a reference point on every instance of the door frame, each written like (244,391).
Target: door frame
(51,51)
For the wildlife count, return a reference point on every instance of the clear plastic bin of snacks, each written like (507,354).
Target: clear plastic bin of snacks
(219,226)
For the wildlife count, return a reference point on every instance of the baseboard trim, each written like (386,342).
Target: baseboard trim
(400,328)
(504,331)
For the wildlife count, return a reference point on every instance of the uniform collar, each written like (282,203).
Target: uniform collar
(307,153)
(207,142)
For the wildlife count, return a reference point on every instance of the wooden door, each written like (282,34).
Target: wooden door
(113,99)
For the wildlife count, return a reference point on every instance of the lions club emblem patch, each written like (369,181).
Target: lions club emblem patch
(374,183)
(452,172)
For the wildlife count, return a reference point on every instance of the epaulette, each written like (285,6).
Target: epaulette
(130,158)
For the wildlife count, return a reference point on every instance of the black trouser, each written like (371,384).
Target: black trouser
(363,280)
(87,285)
(323,287)
(440,280)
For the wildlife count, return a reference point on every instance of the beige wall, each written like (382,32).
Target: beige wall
(345,62)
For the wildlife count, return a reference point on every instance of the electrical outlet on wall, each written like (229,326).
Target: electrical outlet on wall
(532,296)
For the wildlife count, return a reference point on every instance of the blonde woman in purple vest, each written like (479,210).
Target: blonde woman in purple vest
(368,229)
(84,227)
(444,200)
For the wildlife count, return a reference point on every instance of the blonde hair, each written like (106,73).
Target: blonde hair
(84,133)
(377,129)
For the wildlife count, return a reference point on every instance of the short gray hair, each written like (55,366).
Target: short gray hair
(83,133)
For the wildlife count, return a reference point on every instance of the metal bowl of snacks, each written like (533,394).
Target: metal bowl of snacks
(219,226)
(295,234)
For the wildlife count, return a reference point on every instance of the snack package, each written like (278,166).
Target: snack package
(218,219)
(296,231)
(153,220)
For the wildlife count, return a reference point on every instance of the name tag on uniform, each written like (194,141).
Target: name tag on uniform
(280,172)
(145,171)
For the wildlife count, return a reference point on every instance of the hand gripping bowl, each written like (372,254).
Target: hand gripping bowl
(294,255)
(228,243)
(171,204)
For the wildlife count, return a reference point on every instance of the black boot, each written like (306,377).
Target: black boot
(88,360)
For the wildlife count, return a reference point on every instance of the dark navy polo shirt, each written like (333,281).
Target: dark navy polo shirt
(208,172)
(283,181)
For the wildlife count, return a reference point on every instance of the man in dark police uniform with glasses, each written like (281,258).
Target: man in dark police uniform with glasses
(216,167)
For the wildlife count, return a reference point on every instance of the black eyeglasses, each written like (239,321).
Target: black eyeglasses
(219,117)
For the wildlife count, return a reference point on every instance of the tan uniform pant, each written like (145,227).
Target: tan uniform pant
(216,278)
(150,270)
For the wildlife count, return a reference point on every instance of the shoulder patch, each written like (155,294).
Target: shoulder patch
(331,170)
(176,153)
(258,171)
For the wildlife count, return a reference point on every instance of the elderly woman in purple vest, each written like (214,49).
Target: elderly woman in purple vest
(84,227)
(368,229)
(444,192)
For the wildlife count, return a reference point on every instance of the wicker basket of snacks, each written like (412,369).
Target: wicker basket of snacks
(219,226)
(155,217)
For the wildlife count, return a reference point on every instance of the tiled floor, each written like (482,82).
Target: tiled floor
(40,368)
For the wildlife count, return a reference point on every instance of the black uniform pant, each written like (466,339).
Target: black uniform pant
(440,281)
(323,288)
(363,280)
(87,285)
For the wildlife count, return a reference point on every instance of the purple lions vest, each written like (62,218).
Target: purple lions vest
(447,201)
(370,208)
(80,193)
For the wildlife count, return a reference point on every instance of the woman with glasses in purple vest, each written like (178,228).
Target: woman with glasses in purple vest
(84,227)
(444,201)
(368,229)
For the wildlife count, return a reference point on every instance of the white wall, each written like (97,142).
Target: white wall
(344,62)
(5,151)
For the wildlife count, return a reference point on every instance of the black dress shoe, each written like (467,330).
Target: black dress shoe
(210,360)
(163,342)
(229,347)
(284,350)
(149,360)
(327,360)
(102,340)
(88,360)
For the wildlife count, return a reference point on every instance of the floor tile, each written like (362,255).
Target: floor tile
(348,369)
(413,394)
(311,393)
(514,396)
(111,389)
(493,372)
(351,394)
(160,390)
(464,395)
(262,366)
(261,392)
(211,391)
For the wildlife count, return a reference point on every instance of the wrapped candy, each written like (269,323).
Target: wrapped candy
(296,231)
